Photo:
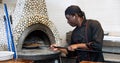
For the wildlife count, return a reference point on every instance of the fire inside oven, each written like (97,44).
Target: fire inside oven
(36,39)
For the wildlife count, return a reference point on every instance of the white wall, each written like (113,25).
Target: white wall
(106,11)
(9,1)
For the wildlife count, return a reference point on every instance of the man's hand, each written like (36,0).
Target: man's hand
(53,47)
(73,47)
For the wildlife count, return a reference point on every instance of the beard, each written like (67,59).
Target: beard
(73,25)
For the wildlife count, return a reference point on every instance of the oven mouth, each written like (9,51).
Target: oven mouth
(36,39)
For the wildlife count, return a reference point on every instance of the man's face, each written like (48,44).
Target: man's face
(71,20)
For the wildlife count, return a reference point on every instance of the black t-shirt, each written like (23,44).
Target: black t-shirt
(90,32)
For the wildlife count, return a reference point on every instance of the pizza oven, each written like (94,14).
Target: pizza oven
(33,31)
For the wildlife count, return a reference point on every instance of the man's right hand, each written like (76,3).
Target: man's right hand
(53,47)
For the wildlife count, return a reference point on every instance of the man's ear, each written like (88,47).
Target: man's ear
(83,17)
(74,17)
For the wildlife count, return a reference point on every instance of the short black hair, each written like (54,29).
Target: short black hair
(73,9)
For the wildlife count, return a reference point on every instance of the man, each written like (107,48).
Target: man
(88,35)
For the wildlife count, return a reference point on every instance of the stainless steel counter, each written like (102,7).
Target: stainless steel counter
(111,41)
